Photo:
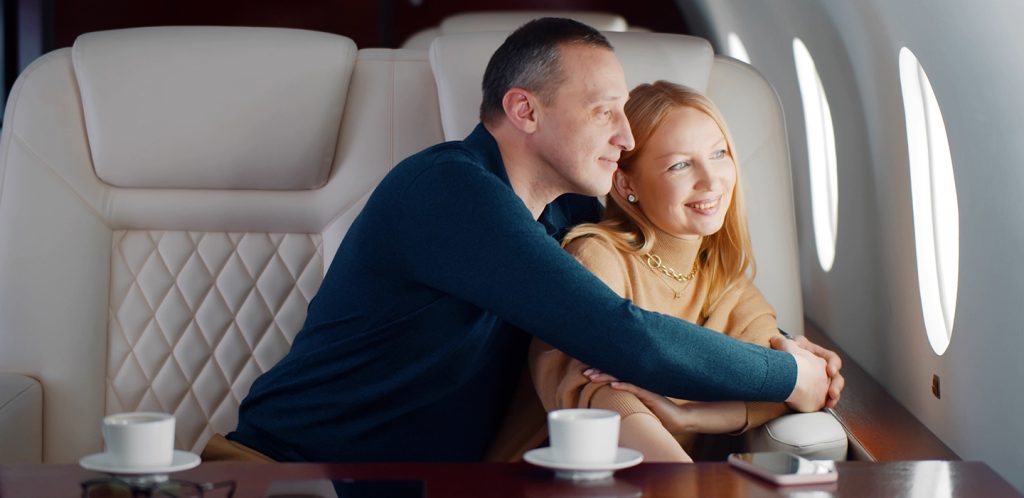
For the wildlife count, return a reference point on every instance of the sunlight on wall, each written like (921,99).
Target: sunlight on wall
(821,155)
(933,192)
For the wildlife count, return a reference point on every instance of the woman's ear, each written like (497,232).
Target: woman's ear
(520,109)
(621,184)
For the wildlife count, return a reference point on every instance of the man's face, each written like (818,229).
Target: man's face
(583,129)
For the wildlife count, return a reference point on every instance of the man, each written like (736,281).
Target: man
(412,347)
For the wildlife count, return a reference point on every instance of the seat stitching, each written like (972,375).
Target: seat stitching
(213,288)
(61,177)
(15,397)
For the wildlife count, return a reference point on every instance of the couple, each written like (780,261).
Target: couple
(413,345)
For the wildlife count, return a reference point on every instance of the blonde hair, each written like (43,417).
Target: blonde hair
(724,256)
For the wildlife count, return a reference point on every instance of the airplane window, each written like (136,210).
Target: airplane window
(821,155)
(933,194)
(736,48)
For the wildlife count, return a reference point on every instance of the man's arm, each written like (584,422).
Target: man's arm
(478,242)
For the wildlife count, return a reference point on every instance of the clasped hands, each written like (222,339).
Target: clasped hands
(819,383)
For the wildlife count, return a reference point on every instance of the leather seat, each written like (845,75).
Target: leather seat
(169,201)
(506,21)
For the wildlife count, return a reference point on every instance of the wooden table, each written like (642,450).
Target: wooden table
(933,479)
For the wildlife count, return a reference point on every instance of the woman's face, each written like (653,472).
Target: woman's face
(684,177)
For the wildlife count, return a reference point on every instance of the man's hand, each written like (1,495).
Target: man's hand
(836,380)
(812,383)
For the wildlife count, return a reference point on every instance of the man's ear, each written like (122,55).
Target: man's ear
(520,109)
(621,184)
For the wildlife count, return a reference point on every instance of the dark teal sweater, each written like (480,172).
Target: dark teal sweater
(413,344)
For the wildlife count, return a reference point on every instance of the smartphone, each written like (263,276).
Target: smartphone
(784,468)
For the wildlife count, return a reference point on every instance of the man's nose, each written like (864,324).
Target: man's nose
(623,137)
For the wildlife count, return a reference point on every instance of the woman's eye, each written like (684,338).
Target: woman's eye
(718,154)
(678,166)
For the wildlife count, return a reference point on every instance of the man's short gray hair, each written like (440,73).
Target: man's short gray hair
(529,59)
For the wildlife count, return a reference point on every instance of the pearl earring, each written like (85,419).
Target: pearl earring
(631,198)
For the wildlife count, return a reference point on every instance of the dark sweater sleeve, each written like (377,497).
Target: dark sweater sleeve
(465,233)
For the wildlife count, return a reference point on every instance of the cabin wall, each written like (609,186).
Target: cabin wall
(869,301)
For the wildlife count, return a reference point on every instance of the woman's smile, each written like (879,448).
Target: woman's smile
(706,206)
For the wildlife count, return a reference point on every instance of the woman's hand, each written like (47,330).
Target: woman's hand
(674,417)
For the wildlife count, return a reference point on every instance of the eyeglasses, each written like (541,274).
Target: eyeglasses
(112,487)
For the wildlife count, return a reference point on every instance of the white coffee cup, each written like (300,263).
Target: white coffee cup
(584,435)
(139,440)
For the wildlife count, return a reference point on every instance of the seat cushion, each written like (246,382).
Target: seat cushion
(206,107)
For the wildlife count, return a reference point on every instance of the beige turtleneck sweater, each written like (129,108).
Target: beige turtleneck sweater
(742,313)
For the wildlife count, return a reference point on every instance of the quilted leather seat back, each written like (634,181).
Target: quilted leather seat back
(196,316)
(156,254)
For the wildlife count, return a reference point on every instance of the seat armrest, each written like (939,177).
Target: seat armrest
(817,436)
(21,419)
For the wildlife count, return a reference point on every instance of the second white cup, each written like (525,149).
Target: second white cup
(139,440)
(584,435)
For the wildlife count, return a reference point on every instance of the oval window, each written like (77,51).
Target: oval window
(821,155)
(933,196)
(736,48)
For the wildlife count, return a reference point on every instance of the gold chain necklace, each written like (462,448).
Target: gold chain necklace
(654,263)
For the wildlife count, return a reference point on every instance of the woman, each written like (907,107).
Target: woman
(673,239)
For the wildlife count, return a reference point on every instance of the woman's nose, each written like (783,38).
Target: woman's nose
(705,179)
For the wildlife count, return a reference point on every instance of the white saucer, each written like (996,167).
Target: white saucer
(183,460)
(543,457)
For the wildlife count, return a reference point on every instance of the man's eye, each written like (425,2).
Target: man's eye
(718,154)
(679,166)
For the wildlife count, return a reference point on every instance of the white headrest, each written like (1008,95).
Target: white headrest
(213,107)
(510,20)
(459,61)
